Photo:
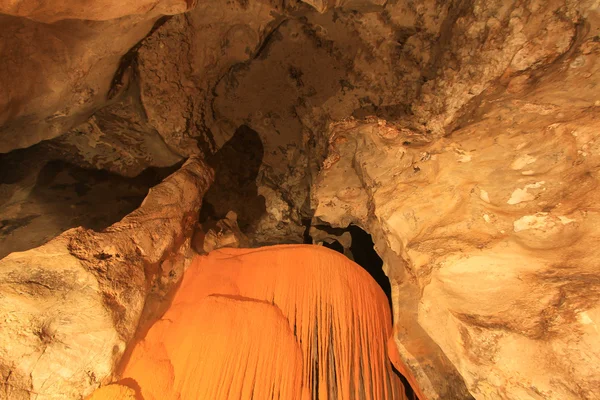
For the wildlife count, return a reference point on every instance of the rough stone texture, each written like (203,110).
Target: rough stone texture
(182,61)
(54,196)
(54,76)
(472,158)
(97,10)
(215,235)
(480,41)
(75,302)
(117,139)
(495,225)
(421,63)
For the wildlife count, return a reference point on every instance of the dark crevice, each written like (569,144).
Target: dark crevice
(236,167)
(408,390)
(362,251)
(62,196)
(365,255)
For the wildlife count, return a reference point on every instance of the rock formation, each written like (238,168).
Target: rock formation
(462,135)
(69,307)
(281,322)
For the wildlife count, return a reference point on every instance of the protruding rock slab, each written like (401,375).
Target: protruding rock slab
(68,308)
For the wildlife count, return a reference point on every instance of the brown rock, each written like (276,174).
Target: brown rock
(96,10)
(215,235)
(54,76)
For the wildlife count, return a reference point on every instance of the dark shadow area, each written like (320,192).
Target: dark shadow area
(60,196)
(236,167)
(335,245)
(408,390)
(362,251)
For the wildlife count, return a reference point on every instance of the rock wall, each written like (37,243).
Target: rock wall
(493,229)
(69,307)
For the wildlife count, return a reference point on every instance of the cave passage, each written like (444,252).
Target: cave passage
(39,202)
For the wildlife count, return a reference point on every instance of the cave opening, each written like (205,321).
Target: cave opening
(362,251)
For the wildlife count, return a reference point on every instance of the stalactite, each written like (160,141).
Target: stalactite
(282,322)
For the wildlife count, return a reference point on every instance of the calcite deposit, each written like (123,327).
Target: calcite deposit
(286,322)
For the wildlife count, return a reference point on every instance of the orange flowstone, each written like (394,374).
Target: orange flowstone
(113,392)
(283,322)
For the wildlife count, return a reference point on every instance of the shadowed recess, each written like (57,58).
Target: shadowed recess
(236,167)
(61,196)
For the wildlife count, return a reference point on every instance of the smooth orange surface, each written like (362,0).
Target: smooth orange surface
(282,322)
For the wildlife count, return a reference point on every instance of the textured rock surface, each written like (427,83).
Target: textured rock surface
(214,235)
(40,199)
(117,139)
(97,10)
(75,302)
(472,158)
(54,76)
(496,224)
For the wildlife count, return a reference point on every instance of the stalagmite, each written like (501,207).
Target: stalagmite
(281,322)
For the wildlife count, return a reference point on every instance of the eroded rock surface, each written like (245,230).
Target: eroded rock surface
(54,76)
(75,302)
(496,224)
(97,10)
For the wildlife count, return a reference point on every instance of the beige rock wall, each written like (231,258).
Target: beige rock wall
(494,228)
(69,307)
(54,76)
(97,10)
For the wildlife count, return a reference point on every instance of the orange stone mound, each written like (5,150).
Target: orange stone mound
(282,322)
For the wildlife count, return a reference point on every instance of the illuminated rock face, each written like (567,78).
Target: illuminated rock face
(68,308)
(281,322)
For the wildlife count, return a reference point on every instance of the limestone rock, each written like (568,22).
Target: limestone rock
(58,337)
(493,229)
(54,76)
(75,302)
(40,197)
(97,10)
(181,61)
(223,233)
(117,139)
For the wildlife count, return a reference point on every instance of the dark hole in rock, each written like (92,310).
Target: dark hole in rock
(335,245)
(56,196)
(236,167)
(362,251)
